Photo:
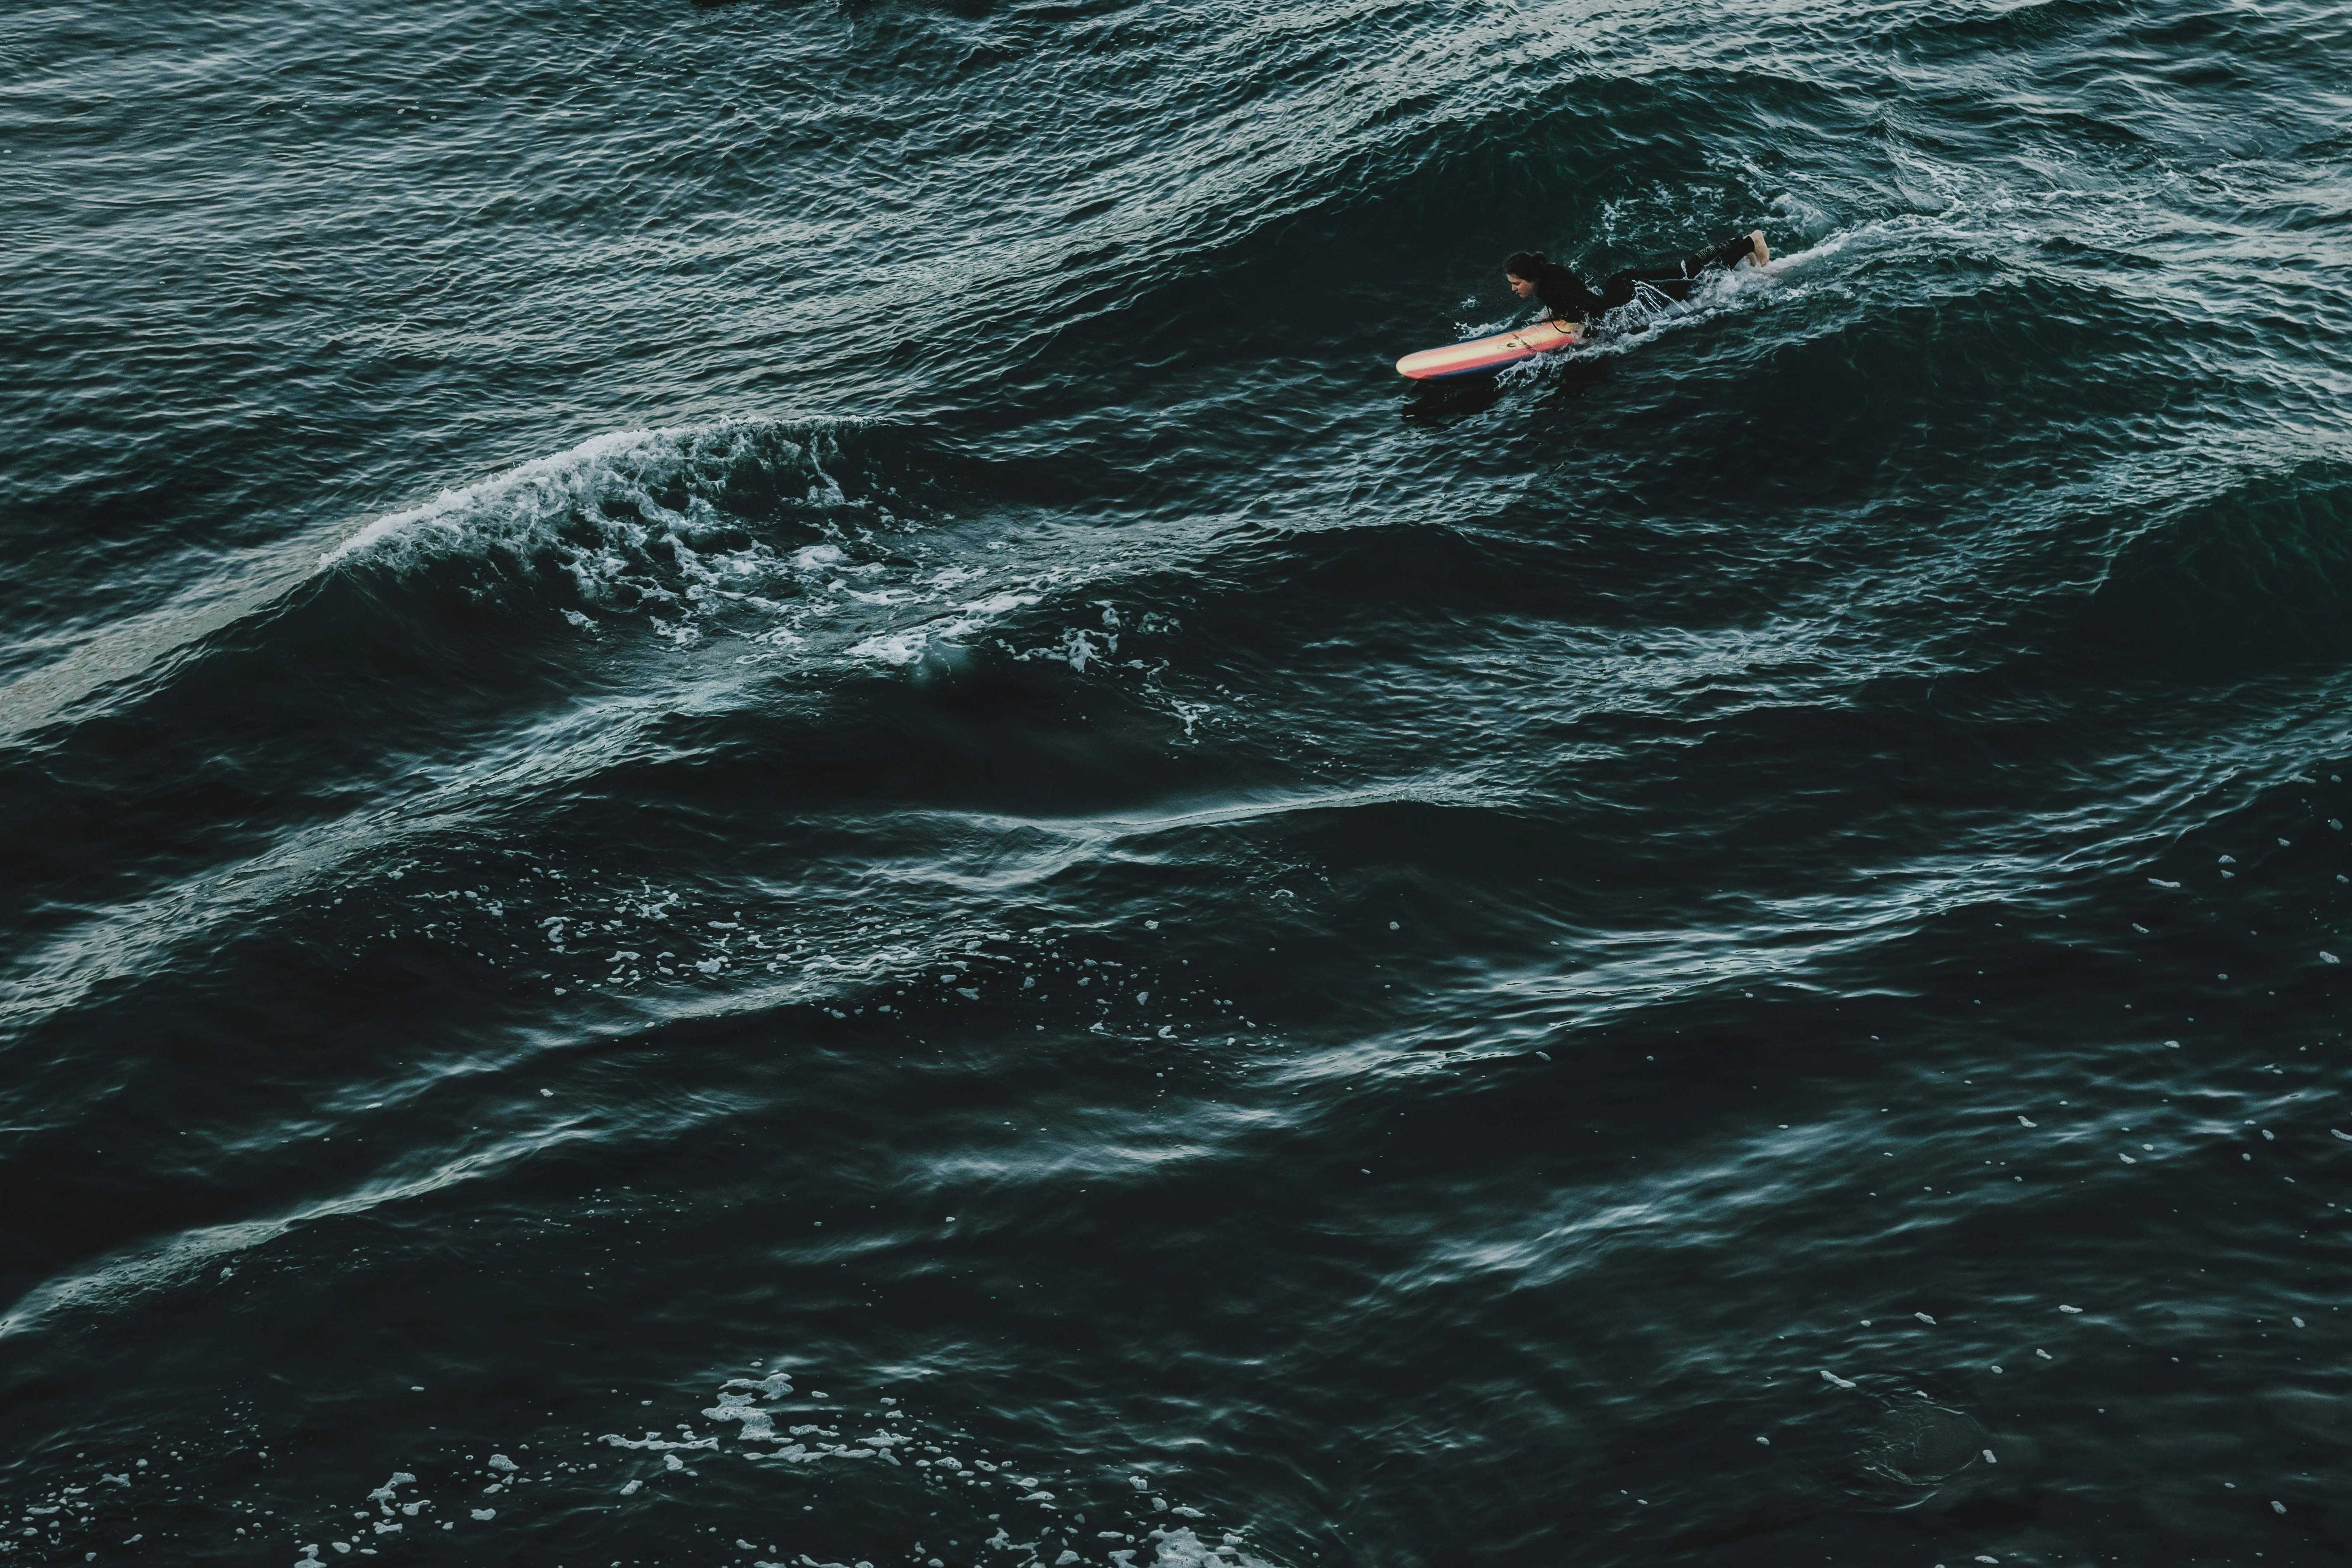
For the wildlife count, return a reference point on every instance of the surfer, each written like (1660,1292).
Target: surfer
(1565,296)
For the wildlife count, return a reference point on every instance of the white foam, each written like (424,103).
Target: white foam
(635,519)
(527,501)
(646,524)
(657,1444)
(906,645)
(1180,1548)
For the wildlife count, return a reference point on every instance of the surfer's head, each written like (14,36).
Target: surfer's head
(1522,270)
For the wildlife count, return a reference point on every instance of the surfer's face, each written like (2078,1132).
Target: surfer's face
(1519,285)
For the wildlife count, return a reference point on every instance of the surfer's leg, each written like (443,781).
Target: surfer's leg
(1747,247)
(1620,290)
(1678,281)
(1675,282)
(1653,283)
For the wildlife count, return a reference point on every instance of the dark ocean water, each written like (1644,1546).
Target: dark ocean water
(767,802)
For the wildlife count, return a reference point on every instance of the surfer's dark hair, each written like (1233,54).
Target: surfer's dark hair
(1527,264)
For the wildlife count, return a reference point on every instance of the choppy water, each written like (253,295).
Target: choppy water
(767,804)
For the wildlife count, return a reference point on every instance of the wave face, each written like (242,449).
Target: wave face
(769,804)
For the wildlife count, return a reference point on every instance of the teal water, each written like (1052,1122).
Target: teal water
(770,804)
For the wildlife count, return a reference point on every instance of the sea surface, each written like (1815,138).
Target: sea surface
(765,802)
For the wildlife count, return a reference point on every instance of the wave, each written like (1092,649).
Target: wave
(650,519)
(678,527)
(108,1284)
(620,490)
(2233,581)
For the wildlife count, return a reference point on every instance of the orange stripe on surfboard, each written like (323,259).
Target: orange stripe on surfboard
(1490,352)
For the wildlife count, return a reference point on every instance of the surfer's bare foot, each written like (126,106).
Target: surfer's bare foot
(1763,255)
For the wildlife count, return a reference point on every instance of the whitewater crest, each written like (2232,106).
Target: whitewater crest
(772,533)
(622,489)
(664,525)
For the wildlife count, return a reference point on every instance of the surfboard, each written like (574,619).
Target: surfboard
(1490,354)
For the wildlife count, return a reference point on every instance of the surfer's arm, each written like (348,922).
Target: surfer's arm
(1567,299)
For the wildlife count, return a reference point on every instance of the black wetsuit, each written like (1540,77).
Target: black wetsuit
(1566,296)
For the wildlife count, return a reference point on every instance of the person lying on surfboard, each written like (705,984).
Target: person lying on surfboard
(1531,277)
(1568,305)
